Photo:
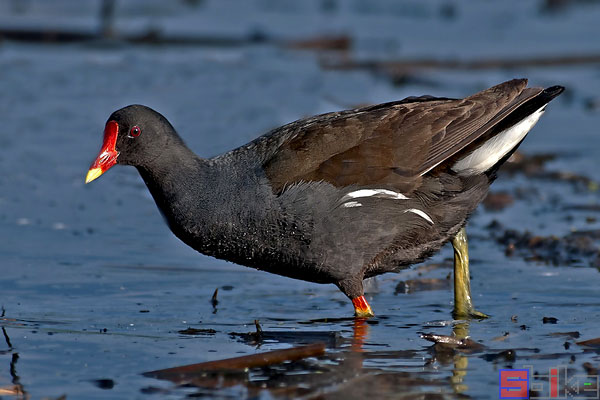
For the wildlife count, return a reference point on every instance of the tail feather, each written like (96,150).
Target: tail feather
(506,135)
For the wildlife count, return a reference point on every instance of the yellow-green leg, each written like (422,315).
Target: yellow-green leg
(463,305)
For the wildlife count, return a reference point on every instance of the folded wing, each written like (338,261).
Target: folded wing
(391,144)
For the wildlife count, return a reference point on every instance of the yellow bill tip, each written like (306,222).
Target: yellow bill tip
(92,174)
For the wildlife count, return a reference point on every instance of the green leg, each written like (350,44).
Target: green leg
(463,306)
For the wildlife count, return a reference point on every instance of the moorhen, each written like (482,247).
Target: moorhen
(338,197)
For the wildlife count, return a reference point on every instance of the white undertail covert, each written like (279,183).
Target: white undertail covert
(488,154)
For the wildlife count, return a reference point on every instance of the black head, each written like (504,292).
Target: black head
(134,135)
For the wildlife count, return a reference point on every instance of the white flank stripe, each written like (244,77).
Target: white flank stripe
(352,204)
(420,214)
(384,193)
(489,153)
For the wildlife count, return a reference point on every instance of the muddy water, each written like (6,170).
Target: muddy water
(96,291)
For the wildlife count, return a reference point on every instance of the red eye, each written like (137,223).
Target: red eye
(135,131)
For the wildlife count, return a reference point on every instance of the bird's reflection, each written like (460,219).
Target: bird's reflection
(460,330)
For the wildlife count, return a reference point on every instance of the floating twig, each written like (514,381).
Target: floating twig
(188,372)
(590,342)
(453,341)
(401,67)
(214,300)
(259,330)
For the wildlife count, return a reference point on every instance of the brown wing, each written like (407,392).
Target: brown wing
(391,144)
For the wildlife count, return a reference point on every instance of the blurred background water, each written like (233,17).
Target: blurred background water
(95,289)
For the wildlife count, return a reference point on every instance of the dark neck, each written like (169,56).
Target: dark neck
(177,180)
(174,160)
(213,206)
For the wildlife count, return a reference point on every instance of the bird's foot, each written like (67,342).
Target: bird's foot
(468,313)
(474,314)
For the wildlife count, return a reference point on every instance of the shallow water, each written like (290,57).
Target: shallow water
(96,290)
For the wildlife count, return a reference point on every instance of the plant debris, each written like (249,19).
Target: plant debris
(214,300)
(574,248)
(195,331)
(394,68)
(188,372)
(453,342)
(574,335)
(590,342)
